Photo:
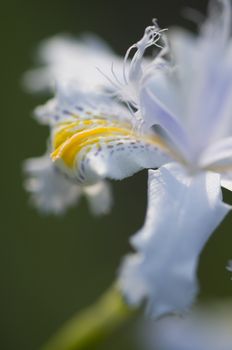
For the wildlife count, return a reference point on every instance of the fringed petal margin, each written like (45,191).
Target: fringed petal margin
(53,193)
(183,211)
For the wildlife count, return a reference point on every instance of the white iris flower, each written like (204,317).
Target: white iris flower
(175,116)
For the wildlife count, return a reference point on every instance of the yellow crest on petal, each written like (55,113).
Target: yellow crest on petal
(75,140)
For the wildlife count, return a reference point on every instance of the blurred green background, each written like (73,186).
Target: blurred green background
(52,267)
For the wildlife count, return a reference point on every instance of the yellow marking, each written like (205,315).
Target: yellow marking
(69,149)
(63,133)
(68,141)
(67,129)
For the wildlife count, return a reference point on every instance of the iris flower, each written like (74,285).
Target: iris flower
(170,113)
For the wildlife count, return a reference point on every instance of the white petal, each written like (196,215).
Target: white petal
(204,64)
(154,112)
(163,85)
(72,102)
(65,58)
(207,328)
(113,150)
(50,191)
(183,45)
(99,197)
(218,156)
(53,193)
(182,213)
(95,138)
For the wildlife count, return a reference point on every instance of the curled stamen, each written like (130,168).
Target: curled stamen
(125,62)
(135,68)
(152,35)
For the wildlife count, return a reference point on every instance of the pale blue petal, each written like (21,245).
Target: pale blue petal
(182,213)
(206,328)
(205,76)
(218,156)
(154,112)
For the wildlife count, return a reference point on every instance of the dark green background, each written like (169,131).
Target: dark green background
(51,267)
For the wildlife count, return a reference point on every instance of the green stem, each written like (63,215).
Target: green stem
(92,325)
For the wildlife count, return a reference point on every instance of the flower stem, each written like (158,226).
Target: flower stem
(92,325)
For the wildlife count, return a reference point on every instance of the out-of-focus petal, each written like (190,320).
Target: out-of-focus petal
(64,57)
(50,191)
(70,101)
(156,113)
(183,211)
(218,156)
(204,66)
(164,87)
(207,328)
(99,197)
